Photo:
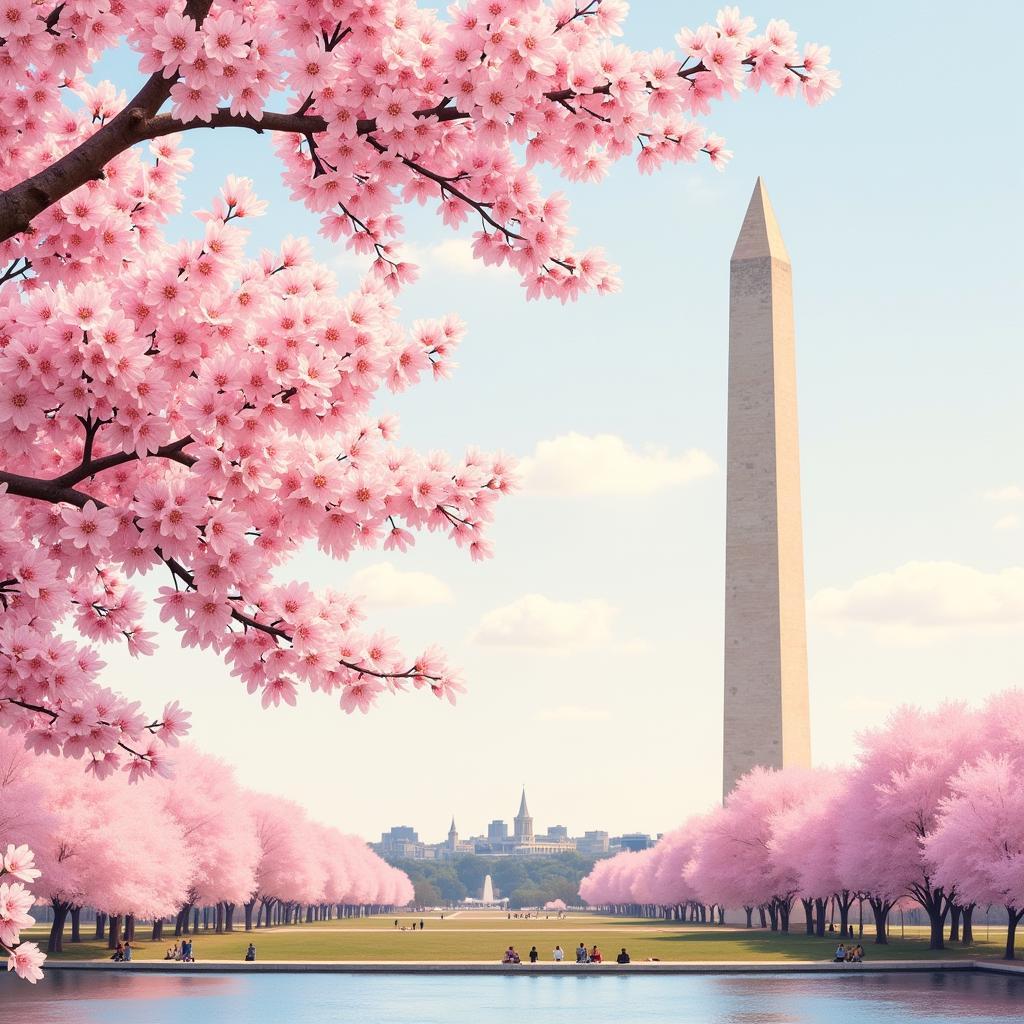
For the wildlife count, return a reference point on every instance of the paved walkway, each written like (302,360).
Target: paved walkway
(476,967)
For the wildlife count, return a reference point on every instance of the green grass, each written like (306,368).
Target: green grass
(482,936)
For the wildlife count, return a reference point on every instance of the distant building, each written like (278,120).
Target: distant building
(523,823)
(402,841)
(633,841)
(593,844)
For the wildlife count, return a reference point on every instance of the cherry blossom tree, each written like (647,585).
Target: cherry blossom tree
(805,838)
(733,862)
(977,845)
(218,834)
(183,411)
(903,772)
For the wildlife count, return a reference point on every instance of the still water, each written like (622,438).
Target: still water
(90,998)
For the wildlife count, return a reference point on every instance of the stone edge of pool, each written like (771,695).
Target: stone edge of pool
(476,967)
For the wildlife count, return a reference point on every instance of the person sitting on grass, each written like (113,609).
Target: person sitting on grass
(558,955)
(623,957)
(595,955)
(118,953)
(250,954)
(840,956)
(511,956)
(856,954)
(127,951)
(581,954)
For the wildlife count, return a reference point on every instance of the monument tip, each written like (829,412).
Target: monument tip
(760,234)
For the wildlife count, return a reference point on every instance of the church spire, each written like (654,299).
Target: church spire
(523,812)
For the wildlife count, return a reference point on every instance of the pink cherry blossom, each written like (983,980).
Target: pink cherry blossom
(184,409)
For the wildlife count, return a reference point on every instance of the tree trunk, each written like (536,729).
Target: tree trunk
(773,915)
(129,928)
(880,908)
(101,925)
(844,899)
(158,929)
(954,922)
(55,944)
(764,920)
(229,917)
(784,908)
(808,915)
(819,906)
(967,925)
(76,931)
(248,914)
(114,931)
(749,911)
(195,920)
(219,922)
(1012,917)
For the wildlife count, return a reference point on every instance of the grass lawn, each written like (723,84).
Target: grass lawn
(482,936)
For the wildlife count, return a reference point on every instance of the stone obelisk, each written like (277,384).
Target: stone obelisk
(766,712)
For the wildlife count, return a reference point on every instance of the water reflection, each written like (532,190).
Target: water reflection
(927,998)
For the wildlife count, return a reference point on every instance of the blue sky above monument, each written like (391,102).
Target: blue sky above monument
(592,643)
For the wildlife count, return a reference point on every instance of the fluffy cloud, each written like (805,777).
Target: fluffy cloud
(923,600)
(449,256)
(536,622)
(385,586)
(456,254)
(1013,492)
(1008,522)
(581,466)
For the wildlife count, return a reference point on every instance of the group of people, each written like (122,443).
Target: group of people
(583,956)
(182,951)
(123,952)
(848,954)
(413,925)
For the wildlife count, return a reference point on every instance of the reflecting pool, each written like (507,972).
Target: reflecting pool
(73,997)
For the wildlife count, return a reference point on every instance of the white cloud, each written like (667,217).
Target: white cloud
(1010,522)
(1013,492)
(536,622)
(456,254)
(449,256)
(573,713)
(385,586)
(923,600)
(603,464)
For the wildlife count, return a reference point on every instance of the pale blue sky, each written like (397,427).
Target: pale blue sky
(900,204)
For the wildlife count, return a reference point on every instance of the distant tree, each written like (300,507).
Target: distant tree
(426,893)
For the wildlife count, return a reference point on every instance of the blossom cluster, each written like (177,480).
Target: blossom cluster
(203,415)
(183,409)
(24,958)
(388,104)
(932,814)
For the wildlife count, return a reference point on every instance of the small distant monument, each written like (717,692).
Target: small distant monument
(766,706)
(487,898)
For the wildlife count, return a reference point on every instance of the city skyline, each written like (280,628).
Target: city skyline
(404,842)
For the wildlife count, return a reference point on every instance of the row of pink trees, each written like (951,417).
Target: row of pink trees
(164,849)
(932,812)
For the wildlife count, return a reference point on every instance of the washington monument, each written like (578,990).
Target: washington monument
(766,714)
